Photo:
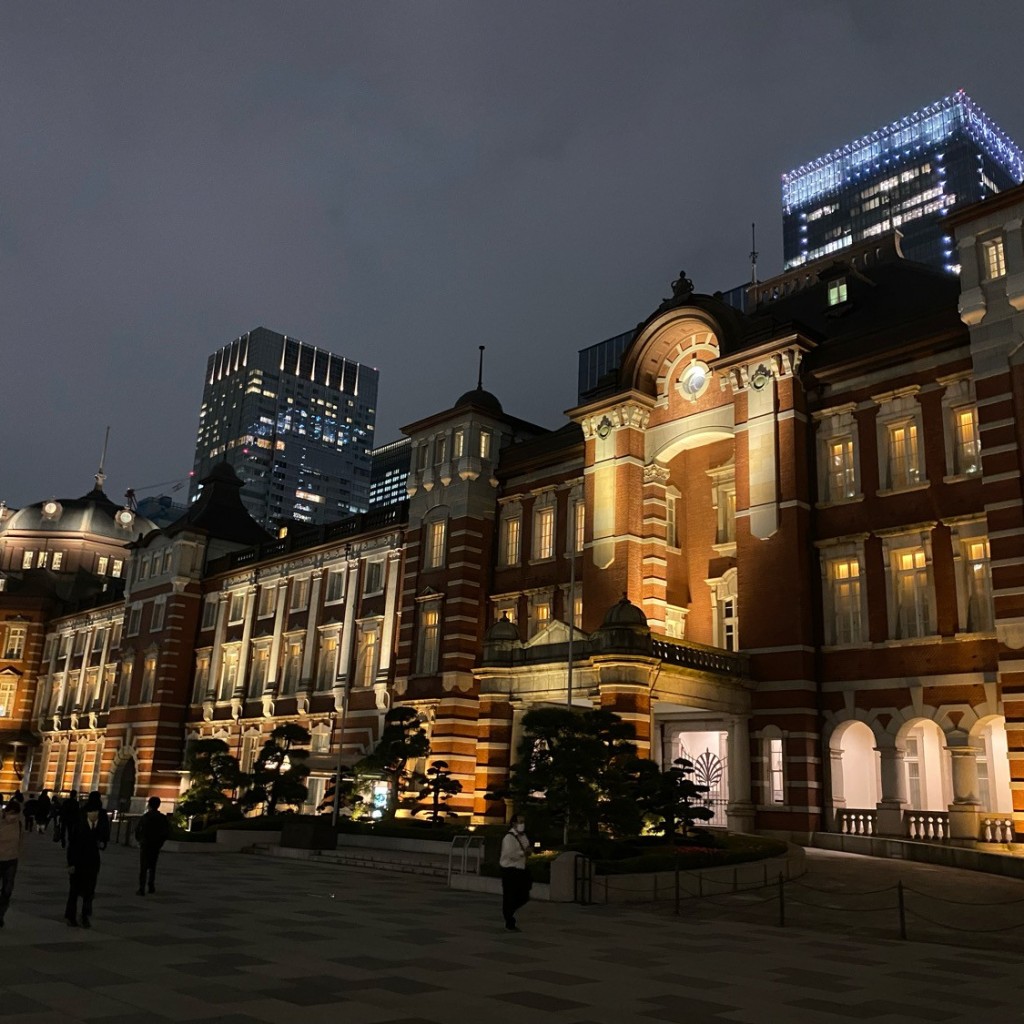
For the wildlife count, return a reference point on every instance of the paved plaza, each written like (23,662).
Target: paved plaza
(234,939)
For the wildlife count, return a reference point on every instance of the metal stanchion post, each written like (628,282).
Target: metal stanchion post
(782,902)
(677,886)
(903,910)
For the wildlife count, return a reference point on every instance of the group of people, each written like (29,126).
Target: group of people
(83,830)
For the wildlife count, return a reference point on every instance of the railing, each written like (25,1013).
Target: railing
(925,825)
(996,830)
(855,821)
(465,848)
(700,656)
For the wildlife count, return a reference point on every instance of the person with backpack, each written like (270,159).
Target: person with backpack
(515,878)
(150,833)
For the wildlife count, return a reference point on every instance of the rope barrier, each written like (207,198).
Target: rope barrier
(963,903)
(837,892)
(966,931)
(843,910)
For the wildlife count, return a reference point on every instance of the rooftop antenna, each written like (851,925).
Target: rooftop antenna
(480,375)
(100,475)
(753,253)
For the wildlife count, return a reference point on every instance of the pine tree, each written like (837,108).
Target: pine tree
(280,771)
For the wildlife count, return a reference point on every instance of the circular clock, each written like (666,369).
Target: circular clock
(125,517)
(51,508)
(694,379)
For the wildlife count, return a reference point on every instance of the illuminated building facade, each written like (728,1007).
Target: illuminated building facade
(389,471)
(906,176)
(785,544)
(295,422)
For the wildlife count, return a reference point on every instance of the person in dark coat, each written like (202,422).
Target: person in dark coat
(11,831)
(28,812)
(150,833)
(43,808)
(66,818)
(86,837)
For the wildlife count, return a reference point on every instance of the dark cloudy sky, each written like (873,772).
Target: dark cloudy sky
(401,182)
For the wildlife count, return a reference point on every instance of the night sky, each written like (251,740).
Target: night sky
(402,182)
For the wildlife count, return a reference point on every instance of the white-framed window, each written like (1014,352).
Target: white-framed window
(960,422)
(159,613)
(168,559)
(672,521)
(578,524)
(8,694)
(440,449)
(236,607)
(299,598)
(428,646)
(507,607)
(78,648)
(228,671)
(267,601)
(723,497)
(911,605)
(335,589)
(124,683)
(459,443)
(14,642)
(725,599)
(102,561)
(292,664)
(837,445)
(540,612)
(143,570)
(543,532)
(368,653)
(250,747)
(109,679)
(845,599)
(434,543)
(900,431)
(115,635)
(994,256)
(837,291)
(485,443)
(327,662)
(148,679)
(259,669)
(117,568)
(27,559)
(98,636)
(58,561)
(422,455)
(972,564)
(210,604)
(511,531)
(373,582)
(775,771)
(134,619)
(44,557)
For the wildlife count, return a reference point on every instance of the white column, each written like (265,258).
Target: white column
(217,654)
(312,618)
(838,788)
(965,810)
(348,630)
(241,685)
(740,809)
(275,645)
(97,702)
(889,817)
(387,636)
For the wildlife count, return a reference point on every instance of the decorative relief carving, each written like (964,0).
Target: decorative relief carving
(655,473)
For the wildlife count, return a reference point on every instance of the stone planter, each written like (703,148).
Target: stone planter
(309,835)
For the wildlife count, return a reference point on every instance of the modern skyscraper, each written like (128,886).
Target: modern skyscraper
(389,472)
(904,176)
(295,422)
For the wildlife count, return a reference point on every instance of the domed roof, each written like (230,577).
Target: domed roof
(502,630)
(624,613)
(93,514)
(481,399)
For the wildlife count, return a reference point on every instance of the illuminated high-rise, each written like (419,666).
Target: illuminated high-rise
(295,422)
(906,176)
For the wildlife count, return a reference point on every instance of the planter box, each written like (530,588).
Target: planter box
(231,840)
(309,835)
(437,847)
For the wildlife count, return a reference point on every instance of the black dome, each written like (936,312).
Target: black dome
(481,399)
(624,613)
(503,630)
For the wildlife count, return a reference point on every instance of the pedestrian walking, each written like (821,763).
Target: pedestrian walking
(515,878)
(67,815)
(28,812)
(150,833)
(86,837)
(11,831)
(43,809)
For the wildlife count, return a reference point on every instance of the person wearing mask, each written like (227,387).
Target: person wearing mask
(11,831)
(150,833)
(86,836)
(515,878)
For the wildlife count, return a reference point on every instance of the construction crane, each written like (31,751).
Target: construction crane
(130,495)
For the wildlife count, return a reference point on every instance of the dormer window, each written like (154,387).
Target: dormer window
(837,291)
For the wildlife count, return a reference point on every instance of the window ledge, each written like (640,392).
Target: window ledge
(840,502)
(922,485)
(541,561)
(860,645)
(959,478)
(910,641)
(726,550)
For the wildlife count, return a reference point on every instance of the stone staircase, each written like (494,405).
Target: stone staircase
(434,865)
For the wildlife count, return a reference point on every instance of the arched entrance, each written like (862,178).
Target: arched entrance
(856,777)
(122,786)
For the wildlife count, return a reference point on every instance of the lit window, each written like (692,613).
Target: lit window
(366,658)
(134,620)
(236,607)
(429,639)
(485,444)
(540,615)
(42,559)
(672,522)
(995,258)
(433,557)
(903,467)
(228,672)
(159,610)
(148,679)
(259,670)
(459,443)
(265,608)
(846,601)
(14,645)
(727,516)
(327,665)
(967,445)
(8,689)
(58,560)
(544,533)
(776,772)
(980,613)
(579,525)
(912,593)
(335,586)
(836,291)
(116,568)
(510,530)
(374,582)
(27,559)
(299,594)
(728,623)
(842,479)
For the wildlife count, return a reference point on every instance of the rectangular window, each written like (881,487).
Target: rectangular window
(994,254)
(836,291)
(459,443)
(168,559)
(327,665)
(292,665)
(440,450)
(43,558)
(265,608)
(912,760)
(727,516)
(148,679)
(248,758)
(776,772)
(845,575)
(579,520)
(210,611)
(79,645)
(109,677)
(485,444)
(510,530)
(27,559)
(429,639)
(366,660)
(540,616)
(980,612)
(374,582)
(14,645)
(543,533)
(228,672)
(236,607)
(101,565)
(299,594)
(202,678)
(966,444)
(115,636)
(577,610)
(134,619)
(904,470)
(58,561)
(912,597)
(842,473)
(259,670)
(335,590)
(672,522)
(434,554)
(728,622)
(8,689)
(159,611)
(117,568)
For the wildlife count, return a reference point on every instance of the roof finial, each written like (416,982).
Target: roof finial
(753,253)
(480,375)
(100,475)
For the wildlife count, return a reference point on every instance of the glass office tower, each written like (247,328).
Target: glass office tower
(389,472)
(295,422)
(905,176)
